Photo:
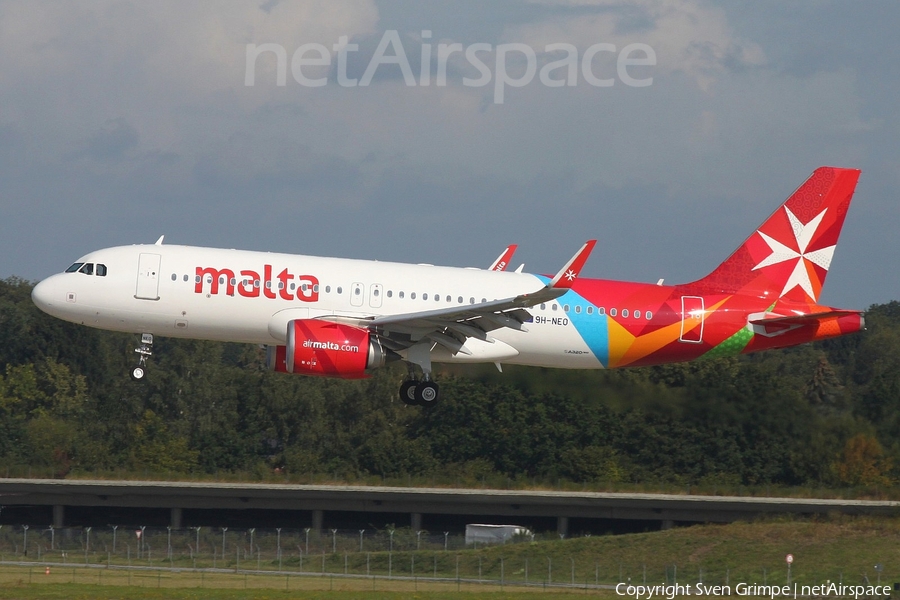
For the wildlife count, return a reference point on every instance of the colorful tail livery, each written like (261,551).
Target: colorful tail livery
(344,318)
(765,295)
(791,252)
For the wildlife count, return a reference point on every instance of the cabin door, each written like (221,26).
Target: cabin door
(148,277)
(692,317)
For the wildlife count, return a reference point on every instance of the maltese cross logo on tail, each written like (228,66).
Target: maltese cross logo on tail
(799,251)
(570,275)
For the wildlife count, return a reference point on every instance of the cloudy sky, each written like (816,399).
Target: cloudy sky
(123,121)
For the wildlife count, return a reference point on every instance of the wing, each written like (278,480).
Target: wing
(504,259)
(451,327)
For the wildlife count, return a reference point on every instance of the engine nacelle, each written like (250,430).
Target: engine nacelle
(328,349)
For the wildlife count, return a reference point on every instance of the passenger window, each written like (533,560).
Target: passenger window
(553,306)
(74,268)
(375,292)
(437,297)
(401,295)
(339,290)
(471,300)
(612,312)
(222,280)
(101,270)
(424,296)
(459,300)
(590,310)
(624,312)
(356,292)
(637,314)
(327,289)
(185,276)
(174,276)
(649,315)
(315,288)
(601,310)
(87,269)
(412,295)
(543,306)
(390,293)
(578,309)
(566,308)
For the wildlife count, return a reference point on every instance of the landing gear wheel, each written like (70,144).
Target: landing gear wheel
(408,392)
(144,352)
(427,393)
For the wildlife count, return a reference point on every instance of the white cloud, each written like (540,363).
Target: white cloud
(82,64)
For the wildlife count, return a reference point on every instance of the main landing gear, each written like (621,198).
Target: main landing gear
(144,352)
(419,393)
(416,392)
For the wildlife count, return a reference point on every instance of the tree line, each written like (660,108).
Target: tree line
(826,414)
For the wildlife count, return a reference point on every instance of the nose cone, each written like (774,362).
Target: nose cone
(47,295)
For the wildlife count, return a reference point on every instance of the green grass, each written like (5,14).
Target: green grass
(836,548)
(831,549)
(189,586)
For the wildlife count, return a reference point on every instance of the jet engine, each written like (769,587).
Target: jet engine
(329,349)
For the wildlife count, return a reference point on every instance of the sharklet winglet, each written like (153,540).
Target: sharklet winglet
(570,271)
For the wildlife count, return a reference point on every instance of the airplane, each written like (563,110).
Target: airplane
(502,262)
(342,318)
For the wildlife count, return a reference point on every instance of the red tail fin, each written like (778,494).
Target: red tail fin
(789,255)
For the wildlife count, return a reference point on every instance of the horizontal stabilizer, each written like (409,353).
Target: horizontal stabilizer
(805,319)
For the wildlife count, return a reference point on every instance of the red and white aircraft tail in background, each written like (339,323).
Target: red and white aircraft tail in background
(340,317)
(502,262)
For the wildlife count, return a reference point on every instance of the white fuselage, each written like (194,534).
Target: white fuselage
(244,296)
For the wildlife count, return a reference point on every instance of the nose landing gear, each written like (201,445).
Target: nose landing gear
(144,352)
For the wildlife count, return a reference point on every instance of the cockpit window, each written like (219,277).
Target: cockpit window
(88,269)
